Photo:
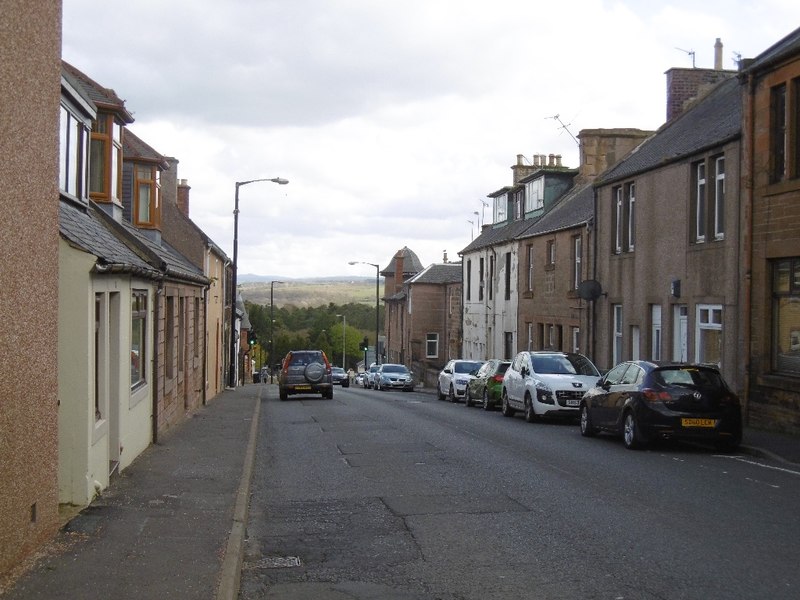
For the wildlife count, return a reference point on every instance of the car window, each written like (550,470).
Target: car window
(582,365)
(466,367)
(632,375)
(614,376)
(502,368)
(688,376)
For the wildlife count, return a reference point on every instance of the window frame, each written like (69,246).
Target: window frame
(577,258)
(139,304)
(719,197)
(705,321)
(432,341)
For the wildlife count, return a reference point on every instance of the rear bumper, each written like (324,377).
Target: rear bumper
(306,388)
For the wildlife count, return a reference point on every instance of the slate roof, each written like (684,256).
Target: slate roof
(439,274)
(789,45)
(492,236)
(575,208)
(103,97)
(411,262)
(134,148)
(713,120)
(85,229)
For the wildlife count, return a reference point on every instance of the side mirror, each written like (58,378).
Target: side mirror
(604,384)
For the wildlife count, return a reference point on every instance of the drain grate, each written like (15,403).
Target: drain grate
(276,562)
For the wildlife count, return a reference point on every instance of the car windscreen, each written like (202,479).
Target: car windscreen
(563,364)
(689,377)
(466,367)
(394,369)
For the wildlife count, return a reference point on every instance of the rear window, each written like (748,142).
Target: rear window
(502,368)
(688,377)
(466,367)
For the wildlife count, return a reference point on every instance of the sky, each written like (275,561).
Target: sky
(392,121)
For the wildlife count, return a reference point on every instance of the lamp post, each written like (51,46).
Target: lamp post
(344,327)
(377,303)
(272,326)
(234,266)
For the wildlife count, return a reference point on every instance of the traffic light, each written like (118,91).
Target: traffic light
(252,338)
(365,344)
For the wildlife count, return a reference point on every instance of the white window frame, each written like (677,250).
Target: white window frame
(618,228)
(577,248)
(616,349)
(431,338)
(530,267)
(700,208)
(500,207)
(719,198)
(631,216)
(655,332)
(534,194)
(708,318)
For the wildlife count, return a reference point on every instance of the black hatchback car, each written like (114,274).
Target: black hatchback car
(644,401)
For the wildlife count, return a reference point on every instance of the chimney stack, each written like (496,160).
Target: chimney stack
(444,259)
(183,197)
(718,55)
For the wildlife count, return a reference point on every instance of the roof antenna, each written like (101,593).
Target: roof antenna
(564,127)
(689,52)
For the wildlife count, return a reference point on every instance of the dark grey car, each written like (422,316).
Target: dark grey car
(305,372)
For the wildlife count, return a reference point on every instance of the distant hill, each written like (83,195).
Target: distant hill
(311,292)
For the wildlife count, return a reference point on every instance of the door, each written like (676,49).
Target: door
(680,350)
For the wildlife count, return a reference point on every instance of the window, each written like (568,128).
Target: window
(508,343)
(106,159)
(508,276)
(719,198)
(777,132)
(709,334)
(169,337)
(73,136)
(530,267)
(500,208)
(432,345)
(481,282)
(550,259)
(616,351)
(551,336)
(630,216)
(147,189)
(577,251)
(529,329)
(491,277)
(196,328)
(576,339)
(138,336)
(786,311)
(534,194)
(700,202)
(518,204)
(468,278)
(655,332)
(617,192)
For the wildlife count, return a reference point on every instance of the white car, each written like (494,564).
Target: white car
(547,383)
(455,376)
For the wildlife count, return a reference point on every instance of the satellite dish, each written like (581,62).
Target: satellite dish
(589,289)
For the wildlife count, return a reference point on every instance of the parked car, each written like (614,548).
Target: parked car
(340,377)
(394,377)
(454,377)
(359,378)
(643,401)
(547,383)
(367,380)
(305,372)
(487,385)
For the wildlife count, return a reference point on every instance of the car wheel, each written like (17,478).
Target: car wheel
(630,432)
(530,414)
(486,405)
(328,394)
(507,410)
(587,429)
(439,393)
(283,395)
(451,395)
(467,398)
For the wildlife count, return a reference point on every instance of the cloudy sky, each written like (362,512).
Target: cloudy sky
(391,120)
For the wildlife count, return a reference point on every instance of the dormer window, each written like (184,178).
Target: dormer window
(106,159)
(73,163)
(500,206)
(534,195)
(147,192)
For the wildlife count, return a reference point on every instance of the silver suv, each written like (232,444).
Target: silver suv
(547,383)
(305,372)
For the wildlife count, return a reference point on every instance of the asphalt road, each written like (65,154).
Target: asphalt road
(393,495)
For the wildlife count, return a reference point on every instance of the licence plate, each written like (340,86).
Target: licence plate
(303,387)
(573,402)
(686,422)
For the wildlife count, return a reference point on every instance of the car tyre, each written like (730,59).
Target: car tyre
(486,404)
(530,413)
(630,432)
(328,394)
(467,398)
(587,429)
(506,410)
(451,394)
(439,394)
(283,395)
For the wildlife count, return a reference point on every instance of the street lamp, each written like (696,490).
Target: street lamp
(377,303)
(234,266)
(272,326)
(344,327)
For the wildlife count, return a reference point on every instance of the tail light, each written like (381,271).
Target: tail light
(652,395)
(498,378)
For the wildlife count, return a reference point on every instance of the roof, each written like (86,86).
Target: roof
(103,97)
(575,208)
(439,274)
(787,46)
(84,229)
(411,262)
(713,120)
(491,235)
(134,148)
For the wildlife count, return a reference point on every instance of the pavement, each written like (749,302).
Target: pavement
(173,524)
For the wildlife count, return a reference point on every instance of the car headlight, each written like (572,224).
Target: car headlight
(544,394)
